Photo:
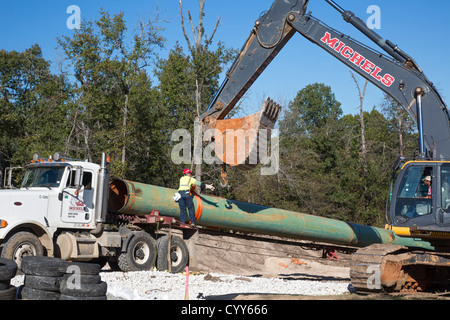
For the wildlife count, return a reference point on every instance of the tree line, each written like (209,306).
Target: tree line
(112,93)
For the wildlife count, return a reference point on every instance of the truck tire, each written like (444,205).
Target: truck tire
(8,293)
(83,268)
(8,269)
(140,254)
(44,266)
(21,245)
(36,294)
(42,282)
(179,254)
(67,297)
(82,278)
(85,289)
(4,284)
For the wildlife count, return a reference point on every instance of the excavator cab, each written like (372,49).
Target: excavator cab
(420,199)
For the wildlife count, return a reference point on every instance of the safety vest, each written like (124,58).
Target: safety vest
(186,183)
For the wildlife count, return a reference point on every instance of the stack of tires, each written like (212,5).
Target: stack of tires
(43,276)
(82,281)
(8,269)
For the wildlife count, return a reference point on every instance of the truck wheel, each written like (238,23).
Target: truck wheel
(67,297)
(8,293)
(36,294)
(85,289)
(44,266)
(140,254)
(179,254)
(85,268)
(8,269)
(46,283)
(82,278)
(21,245)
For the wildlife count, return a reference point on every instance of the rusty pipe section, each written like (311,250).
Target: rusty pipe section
(134,198)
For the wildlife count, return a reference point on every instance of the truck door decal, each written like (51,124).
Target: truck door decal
(77,205)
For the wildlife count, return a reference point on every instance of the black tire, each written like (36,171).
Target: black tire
(8,293)
(67,297)
(179,254)
(36,294)
(44,266)
(4,284)
(83,268)
(82,278)
(42,282)
(84,289)
(21,245)
(8,269)
(140,254)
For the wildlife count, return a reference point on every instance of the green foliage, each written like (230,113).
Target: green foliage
(321,170)
(33,106)
(312,108)
(113,92)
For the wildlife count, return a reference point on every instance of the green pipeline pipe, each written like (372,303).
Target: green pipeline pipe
(134,198)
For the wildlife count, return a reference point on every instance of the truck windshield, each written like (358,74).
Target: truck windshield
(43,177)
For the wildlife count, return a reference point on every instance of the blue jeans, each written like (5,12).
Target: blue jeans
(186,201)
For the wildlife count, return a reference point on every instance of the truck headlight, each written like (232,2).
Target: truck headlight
(3,223)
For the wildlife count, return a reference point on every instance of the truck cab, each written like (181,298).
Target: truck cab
(56,194)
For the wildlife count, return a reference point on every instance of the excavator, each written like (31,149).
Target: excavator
(415,208)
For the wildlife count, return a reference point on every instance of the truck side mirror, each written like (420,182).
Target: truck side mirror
(7,183)
(78,183)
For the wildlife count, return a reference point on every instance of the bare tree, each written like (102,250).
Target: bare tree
(363,160)
(199,43)
(362,94)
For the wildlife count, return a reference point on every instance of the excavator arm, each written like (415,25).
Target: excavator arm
(267,38)
(239,141)
(396,73)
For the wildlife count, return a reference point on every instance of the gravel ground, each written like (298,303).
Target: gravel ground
(165,286)
(156,285)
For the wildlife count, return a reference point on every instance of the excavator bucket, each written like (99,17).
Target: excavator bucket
(244,142)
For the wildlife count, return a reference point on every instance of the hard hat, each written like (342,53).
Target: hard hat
(186,171)
(427,178)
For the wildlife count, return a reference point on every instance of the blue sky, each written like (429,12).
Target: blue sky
(419,28)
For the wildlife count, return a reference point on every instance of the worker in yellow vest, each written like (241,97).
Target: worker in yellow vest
(187,185)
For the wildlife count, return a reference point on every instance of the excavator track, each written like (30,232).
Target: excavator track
(382,268)
(367,265)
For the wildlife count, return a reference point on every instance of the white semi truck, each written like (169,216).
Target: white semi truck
(61,209)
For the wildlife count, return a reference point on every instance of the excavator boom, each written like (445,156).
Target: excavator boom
(266,39)
(397,74)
